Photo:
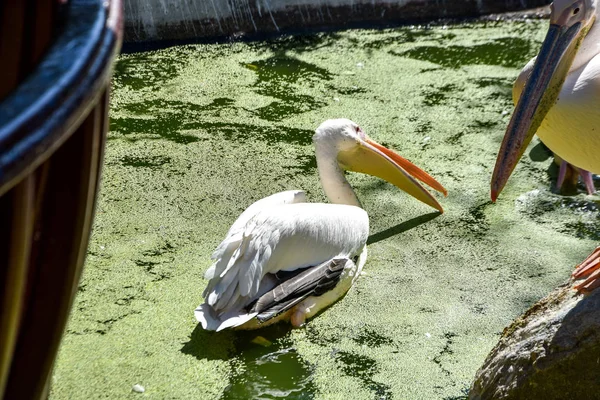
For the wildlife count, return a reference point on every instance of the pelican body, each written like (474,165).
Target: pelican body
(559,99)
(284,259)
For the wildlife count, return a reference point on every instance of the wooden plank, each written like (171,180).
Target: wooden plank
(12,25)
(57,263)
(16,234)
(39,35)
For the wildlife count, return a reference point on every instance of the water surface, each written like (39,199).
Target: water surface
(199,132)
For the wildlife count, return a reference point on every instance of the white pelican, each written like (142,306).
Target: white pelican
(560,101)
(285,259)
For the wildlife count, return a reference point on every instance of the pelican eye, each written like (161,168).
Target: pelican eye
(359,131)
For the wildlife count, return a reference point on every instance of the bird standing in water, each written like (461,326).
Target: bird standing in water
(560,101)
(285,259)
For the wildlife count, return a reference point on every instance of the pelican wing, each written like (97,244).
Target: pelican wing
(282,238)
(233,237)
(312,281)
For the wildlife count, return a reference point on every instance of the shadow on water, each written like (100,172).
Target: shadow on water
(506,52)
(505,84)
(438,95)
(402,227)
(205,345)
(279,70)
(308,163)
(145,70)
(145,162)
(539,153)
(269,368)
(270,134)
(164,126)
(584,230)
(368,336)
(496,89)
(587,226)
(363,368)
(165,119)
(158,106)
(352,364)
(298,43)
(281,77)
(407,35)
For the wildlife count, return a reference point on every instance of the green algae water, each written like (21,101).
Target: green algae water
(199,132)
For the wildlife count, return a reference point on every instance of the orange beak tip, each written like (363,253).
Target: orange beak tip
(494,195)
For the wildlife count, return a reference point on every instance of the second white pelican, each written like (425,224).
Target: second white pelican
(285,259)
(560,101)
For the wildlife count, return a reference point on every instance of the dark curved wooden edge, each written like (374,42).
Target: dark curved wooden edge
(52,136)
(43,111)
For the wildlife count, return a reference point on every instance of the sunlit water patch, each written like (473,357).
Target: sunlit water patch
(265,369)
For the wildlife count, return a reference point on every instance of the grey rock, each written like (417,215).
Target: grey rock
(550,352)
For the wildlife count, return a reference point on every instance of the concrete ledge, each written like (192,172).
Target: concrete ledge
(152,20)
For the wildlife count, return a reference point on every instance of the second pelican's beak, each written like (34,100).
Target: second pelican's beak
(567,30)
(369,157)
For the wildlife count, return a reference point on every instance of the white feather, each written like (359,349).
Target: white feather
(285,238)
(225,250)
(570,129)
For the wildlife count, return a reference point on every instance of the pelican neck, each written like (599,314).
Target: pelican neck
(333,180)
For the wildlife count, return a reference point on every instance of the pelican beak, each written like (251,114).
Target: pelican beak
(369,157)
(540,92)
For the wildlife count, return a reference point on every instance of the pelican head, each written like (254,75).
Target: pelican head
(341,145)
(570,21)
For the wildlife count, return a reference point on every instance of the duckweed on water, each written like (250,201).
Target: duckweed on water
(199,132)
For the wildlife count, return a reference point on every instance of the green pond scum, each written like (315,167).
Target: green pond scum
(199,132)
